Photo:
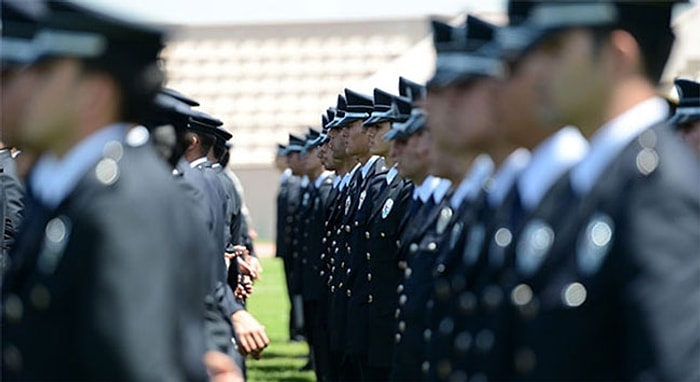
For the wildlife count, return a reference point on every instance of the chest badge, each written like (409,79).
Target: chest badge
(455,234)
(348,201)
(593,244)
(443,220)
(56,235)
(475,241)
(388,205)
(363,195)
(534,244)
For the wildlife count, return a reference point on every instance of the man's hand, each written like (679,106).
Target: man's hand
(250,333)
(256,265)
(221,367)
(244,287)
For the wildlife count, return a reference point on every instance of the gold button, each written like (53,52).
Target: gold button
(407,273)
(357,223)
(397,313)
(444,369)
(397,338)
(382,234)
(485,340)
(348,293)
(332,288)
(525,361)
(441,268)
(367,235)
(521,295)
(413,248)
(12,358)
(425,367)
(403,265)
(370,299)
(402,299)
(348,228)
(492,296)
(369,277)
(399,288)
(463,342)
(40,297)
(402,326)
(14,308)
(369,256)
(432,246)
(427,334)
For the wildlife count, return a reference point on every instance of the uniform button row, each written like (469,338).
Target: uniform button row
(12,358)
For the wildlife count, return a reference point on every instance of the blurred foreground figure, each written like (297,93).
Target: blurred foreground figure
(610,290)
(97,289)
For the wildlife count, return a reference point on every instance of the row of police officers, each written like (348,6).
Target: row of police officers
(532,213)
(126,251)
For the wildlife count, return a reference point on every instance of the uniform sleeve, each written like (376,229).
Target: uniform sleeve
(662,280)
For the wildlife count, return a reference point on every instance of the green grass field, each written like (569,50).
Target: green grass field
(269,304)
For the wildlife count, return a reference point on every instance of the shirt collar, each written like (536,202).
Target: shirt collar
(427,188)
(612,138)
(472,183)
(53,179)
(198,161)
(286,174)
(441,190)
(319,181)
(391,174)
(368,166)
(336,181)
(549,161)
(504,178)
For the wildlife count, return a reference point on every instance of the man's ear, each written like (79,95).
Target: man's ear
(626,53)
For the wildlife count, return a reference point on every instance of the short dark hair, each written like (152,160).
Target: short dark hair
(138,84)
(206,141)
(654,43)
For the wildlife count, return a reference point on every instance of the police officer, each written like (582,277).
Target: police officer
(614,266)
(81,300)
(411,326)
(375,268)
(313,290)
(294,208)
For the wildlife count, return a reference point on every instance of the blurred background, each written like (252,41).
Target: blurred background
(271,67)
